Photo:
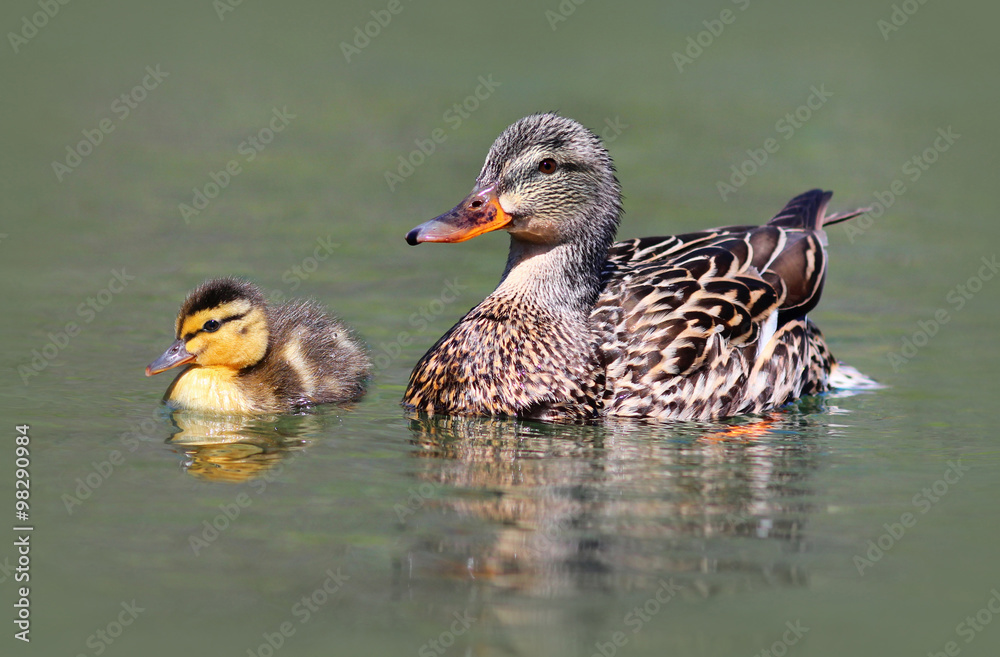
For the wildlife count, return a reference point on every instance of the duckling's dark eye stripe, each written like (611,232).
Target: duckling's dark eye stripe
(188,336)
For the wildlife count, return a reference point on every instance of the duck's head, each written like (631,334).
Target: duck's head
(546,180)
(223,323)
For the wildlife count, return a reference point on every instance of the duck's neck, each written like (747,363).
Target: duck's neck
(564,279)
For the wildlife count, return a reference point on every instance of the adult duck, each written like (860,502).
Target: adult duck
(695,326)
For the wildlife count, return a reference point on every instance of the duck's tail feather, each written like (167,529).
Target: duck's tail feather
(808,210)
(845,377)
(844,216)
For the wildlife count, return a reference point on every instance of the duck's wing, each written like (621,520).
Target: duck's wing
(705,305)
(312,357)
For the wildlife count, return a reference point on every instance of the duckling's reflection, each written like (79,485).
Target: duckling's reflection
(238,448)
(540,511)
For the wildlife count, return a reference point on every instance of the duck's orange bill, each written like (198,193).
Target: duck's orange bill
(478,213)
(172,357)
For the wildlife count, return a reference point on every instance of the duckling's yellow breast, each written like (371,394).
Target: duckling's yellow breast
(210,389)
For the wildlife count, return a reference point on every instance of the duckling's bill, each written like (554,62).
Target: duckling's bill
(174,356)
(480,212)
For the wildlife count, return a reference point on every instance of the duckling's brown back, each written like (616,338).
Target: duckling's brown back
(312,358)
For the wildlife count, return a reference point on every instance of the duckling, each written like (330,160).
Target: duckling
(245,356)
(695,326)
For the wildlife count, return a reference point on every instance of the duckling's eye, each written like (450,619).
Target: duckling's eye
(211,326)
(548,166)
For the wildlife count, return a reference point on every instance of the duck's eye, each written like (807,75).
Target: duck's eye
(211,326)
(548,166)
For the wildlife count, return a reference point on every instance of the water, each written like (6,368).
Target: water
(360,531)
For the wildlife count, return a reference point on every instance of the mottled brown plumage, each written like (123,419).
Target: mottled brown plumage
(693,326)
(249,357)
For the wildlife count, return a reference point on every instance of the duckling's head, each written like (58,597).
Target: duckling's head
(223,323)
(546,180)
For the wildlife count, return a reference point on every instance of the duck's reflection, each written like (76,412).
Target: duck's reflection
(538,511)
(237,448)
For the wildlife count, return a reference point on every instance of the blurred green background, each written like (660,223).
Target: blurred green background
(550,537)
